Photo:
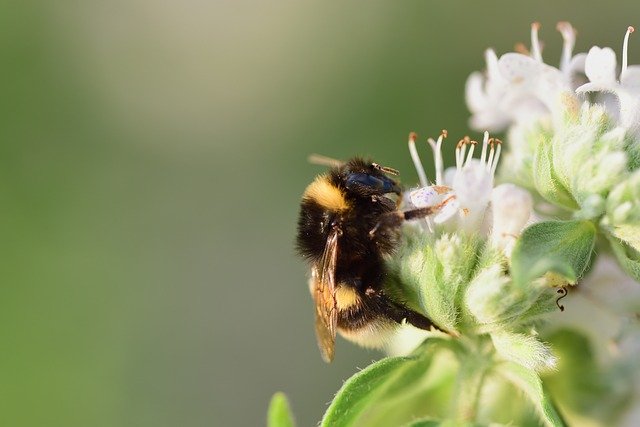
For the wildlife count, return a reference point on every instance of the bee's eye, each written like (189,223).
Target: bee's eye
(381,184)
(363,179)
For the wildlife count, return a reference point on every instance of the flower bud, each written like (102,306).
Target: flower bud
(512,207)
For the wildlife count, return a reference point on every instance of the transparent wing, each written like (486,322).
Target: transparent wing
(324,289)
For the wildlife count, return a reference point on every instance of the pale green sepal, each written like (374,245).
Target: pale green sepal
(279,414)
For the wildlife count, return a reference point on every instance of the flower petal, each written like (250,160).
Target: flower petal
(472,186)
(600,66)
(425,196)
(518,68)
(447,211)
(475,95)
(512,207)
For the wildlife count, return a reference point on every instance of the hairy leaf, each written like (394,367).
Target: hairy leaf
(529,382)
(525,350)
(561,247)
(364,393)
(628,257)
(546,182)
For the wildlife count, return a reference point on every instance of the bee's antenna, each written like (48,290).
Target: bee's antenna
(319,159)
(386,169)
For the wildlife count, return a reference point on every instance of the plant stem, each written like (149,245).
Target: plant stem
(474,364)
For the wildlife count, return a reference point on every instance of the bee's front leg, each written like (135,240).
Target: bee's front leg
(396,218)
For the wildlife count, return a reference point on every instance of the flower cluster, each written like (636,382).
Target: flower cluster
(553,212)
(487,265)
(574,138)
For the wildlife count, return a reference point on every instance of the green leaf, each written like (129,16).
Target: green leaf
(630,233)
(601,395)
(426,422)
(562,247)
(628,257)
(529,382)
(364,393)
(352,399)
(523,349)
(430,422)
(279,414)
(545,180)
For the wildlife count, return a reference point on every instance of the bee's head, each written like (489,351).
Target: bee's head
(364,178)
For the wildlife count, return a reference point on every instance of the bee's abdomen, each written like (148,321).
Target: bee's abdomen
(314,224)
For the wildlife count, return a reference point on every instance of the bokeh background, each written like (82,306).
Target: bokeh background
(152,155)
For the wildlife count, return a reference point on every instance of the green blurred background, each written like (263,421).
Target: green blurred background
(152,158)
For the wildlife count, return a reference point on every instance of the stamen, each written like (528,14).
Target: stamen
(491,154)
(536,51)
(470,155)
(422,176)
(569,37)
(461,149)
(485,142)
(429,225)
(494,166)
(625,46)
(436,146)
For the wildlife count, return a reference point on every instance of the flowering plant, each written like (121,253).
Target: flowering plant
(515,231)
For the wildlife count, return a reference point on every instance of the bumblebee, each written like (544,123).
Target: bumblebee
(349,223)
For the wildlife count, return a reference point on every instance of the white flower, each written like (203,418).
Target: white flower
(464,194)
(600,68)
(521,87)
(512,207)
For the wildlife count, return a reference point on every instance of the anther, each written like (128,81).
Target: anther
(444,133)
(461,149)
(470,155)
(464,141)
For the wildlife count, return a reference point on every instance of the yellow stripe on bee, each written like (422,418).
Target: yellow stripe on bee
(346,297)
(327,195)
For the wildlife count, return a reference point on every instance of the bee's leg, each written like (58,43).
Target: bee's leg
(396,218)
(403,314)
(399,312)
